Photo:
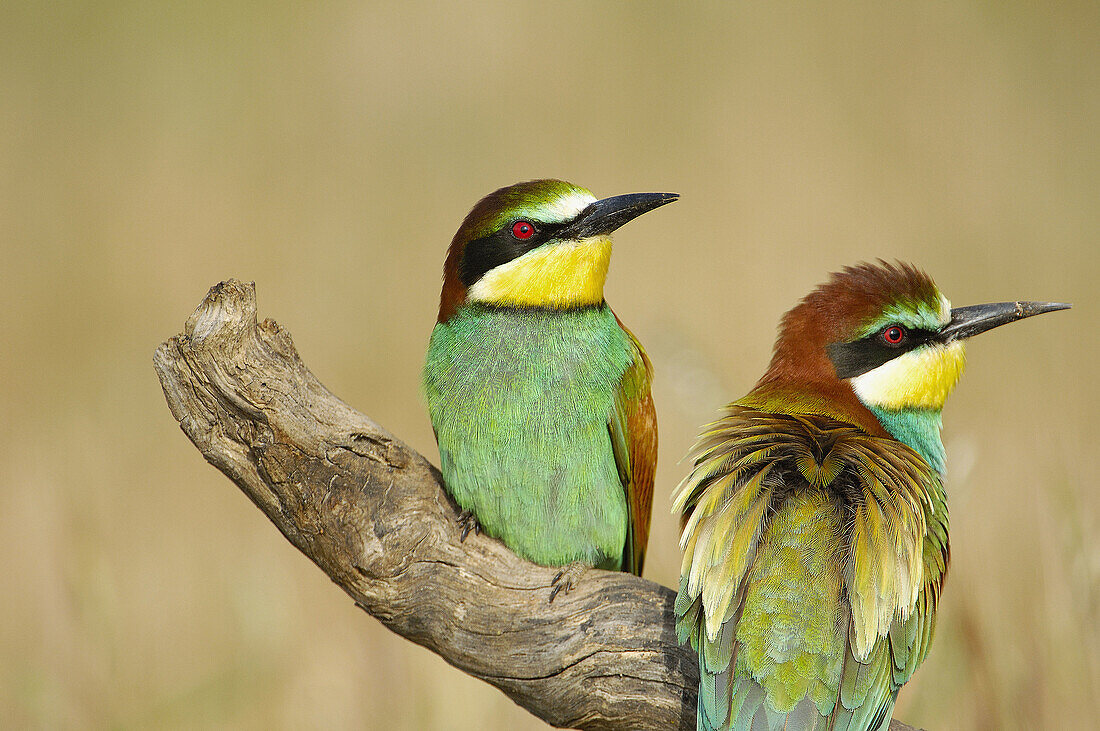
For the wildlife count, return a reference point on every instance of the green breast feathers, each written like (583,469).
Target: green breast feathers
(521,401)
(813,557)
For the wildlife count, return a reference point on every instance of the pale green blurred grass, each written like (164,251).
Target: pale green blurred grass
(329,152)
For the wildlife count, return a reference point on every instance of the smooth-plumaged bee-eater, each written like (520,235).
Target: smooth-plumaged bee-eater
(539,396)
(815,518)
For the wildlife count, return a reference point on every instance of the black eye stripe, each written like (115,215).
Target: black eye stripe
(863,355)
(500,247)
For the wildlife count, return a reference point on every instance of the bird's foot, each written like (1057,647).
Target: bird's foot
(567,578)
(469,523)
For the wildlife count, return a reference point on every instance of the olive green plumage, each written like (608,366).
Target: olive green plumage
(815,527)
(808,538)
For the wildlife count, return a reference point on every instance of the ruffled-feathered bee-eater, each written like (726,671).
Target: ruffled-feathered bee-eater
(815,518)
(539,396)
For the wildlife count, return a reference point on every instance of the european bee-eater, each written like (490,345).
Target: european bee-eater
(539,396)
(815,518)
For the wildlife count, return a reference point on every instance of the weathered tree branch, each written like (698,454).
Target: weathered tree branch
(371,513)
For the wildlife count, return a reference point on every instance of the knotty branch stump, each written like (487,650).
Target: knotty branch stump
(372,514)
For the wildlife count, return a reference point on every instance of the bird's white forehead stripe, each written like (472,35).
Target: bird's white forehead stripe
(945,310)
(566,207)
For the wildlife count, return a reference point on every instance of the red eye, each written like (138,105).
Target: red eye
(893,334)
(523,230)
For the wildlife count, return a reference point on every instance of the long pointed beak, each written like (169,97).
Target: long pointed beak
(608,214)
(969,321)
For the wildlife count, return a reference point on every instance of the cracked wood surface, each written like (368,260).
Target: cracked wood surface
(372,514)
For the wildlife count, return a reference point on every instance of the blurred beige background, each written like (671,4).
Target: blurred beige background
(329,151)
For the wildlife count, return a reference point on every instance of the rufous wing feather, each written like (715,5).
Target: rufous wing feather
(633,429)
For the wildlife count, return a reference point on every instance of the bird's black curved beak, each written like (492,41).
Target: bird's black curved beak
(970,321)
(607,214)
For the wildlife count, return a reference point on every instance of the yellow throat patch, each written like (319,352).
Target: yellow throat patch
(921,379)
(559,274)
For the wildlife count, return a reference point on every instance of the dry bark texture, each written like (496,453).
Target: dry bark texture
(372,514)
